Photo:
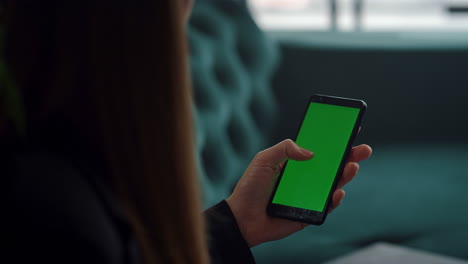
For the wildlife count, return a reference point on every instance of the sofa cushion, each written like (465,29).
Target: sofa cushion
(412,195)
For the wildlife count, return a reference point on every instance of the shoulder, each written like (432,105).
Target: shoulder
(56,212)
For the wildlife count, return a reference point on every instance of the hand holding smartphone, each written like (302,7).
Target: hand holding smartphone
(304,188)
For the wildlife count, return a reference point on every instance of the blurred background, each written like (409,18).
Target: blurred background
(255,64)
(366,15)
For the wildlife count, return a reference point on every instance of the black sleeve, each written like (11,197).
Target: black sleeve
(225,241)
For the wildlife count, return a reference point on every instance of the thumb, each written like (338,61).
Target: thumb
(282,151)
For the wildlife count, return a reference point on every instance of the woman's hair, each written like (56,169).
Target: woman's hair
(117,70)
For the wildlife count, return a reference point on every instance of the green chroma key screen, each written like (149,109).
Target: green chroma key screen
(326,130)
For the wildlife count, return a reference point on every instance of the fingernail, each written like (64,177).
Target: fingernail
(342,198)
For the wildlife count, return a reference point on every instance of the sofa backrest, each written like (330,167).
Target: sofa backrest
(231,63)
(414,95)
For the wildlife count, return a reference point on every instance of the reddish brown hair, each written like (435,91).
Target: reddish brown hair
(118,71)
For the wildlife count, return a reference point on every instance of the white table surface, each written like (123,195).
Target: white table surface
(384,253)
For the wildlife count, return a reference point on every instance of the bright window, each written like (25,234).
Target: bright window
(365,15)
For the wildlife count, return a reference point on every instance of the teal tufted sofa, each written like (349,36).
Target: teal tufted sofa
(413,190)
(232,64)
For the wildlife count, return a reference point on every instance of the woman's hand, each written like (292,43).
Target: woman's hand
(249,200)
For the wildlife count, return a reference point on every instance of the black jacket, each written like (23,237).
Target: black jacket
(57,213)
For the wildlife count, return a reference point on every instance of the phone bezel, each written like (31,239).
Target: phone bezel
(310,216)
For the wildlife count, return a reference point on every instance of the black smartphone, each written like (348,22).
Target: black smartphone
(304,189)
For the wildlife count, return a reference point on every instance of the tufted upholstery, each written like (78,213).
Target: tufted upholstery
(234,106)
